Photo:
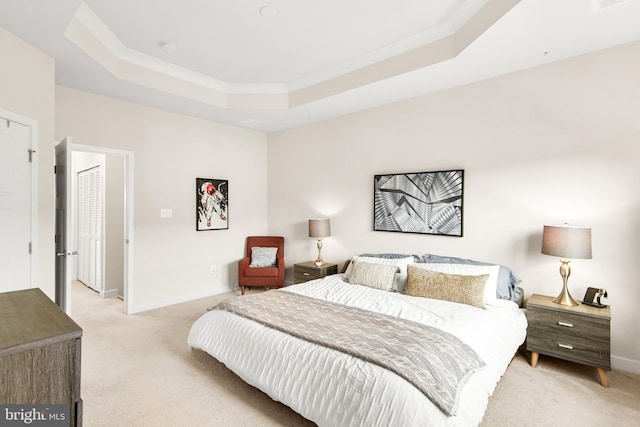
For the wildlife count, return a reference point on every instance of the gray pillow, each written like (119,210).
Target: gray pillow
(416,258)
(263,257)
(377,276)
(401,263)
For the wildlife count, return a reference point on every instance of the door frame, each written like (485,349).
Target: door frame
(33,143)
(128,215)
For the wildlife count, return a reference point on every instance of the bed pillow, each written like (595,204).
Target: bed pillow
(373,275)
(401,263)
(263,257)
(416,258)
(469,270)
(507,287)
(449,287)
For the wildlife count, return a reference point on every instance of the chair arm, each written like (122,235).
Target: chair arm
(243,263)
(280,262)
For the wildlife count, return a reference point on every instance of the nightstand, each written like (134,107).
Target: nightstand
(305,271)
(576,333)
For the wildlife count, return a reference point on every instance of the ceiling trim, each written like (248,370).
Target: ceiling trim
(94,38)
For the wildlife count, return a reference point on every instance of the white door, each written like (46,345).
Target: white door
(89,200)
(64,231)
(15,206)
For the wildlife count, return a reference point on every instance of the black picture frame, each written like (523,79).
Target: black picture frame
(212,204)
(419,202)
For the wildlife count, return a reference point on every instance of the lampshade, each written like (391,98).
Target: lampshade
(320,227)
(566,242)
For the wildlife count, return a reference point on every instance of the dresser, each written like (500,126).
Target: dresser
(576,333)
(305,271)
(39,353)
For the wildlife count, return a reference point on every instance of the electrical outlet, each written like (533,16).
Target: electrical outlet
(166,213)
(214,268)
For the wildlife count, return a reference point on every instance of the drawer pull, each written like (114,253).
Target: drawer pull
(568,325)
(567,346)
(305,274)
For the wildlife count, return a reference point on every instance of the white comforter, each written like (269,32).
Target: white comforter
(331,388)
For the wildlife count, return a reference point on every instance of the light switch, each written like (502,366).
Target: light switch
(166,213)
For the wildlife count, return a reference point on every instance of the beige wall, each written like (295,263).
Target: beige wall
(172,261)
(543,146)
(27,88)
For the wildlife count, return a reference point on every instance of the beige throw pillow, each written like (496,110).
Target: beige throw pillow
(449,287)
(400,278)
(377,276)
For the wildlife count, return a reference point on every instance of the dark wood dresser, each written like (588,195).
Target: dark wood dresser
(39,353)
(579,334)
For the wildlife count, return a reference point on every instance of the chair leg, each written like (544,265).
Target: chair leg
(242,287)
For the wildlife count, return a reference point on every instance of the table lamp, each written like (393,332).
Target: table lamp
(320,227)
(566,242)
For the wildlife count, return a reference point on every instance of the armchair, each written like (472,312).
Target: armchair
(269,276)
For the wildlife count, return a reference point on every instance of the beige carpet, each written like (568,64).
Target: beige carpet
(137,370)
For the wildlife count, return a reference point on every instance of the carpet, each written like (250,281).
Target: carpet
(137,370)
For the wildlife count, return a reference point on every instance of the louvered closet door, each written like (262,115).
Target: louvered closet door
(90,228)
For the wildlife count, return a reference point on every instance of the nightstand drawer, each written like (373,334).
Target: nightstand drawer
(568,347)
(305,271)
(576,325)
(304,274)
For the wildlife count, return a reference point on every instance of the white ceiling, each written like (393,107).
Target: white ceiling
(270,65)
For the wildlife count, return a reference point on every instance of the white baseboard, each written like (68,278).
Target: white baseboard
(139,308)
(624,364)
(111,293)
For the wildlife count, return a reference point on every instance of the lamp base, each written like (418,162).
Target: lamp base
(319,258)
(565,298)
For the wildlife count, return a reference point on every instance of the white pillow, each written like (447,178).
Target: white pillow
(470,270)
(402,263)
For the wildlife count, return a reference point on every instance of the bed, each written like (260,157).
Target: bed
(333,387)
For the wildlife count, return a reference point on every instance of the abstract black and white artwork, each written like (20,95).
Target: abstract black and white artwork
(421,202)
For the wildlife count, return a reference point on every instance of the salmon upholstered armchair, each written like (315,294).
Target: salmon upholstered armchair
(263,262)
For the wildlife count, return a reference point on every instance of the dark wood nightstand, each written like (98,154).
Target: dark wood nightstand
(305,271)
(576,333)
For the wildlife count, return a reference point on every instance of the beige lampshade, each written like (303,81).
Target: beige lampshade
(320,227)
(566,242)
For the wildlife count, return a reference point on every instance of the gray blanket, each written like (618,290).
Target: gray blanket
(434,361)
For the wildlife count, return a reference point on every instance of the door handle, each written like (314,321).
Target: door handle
(63,254)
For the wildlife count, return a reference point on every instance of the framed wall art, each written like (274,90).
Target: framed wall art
(212,204)
(421,202)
